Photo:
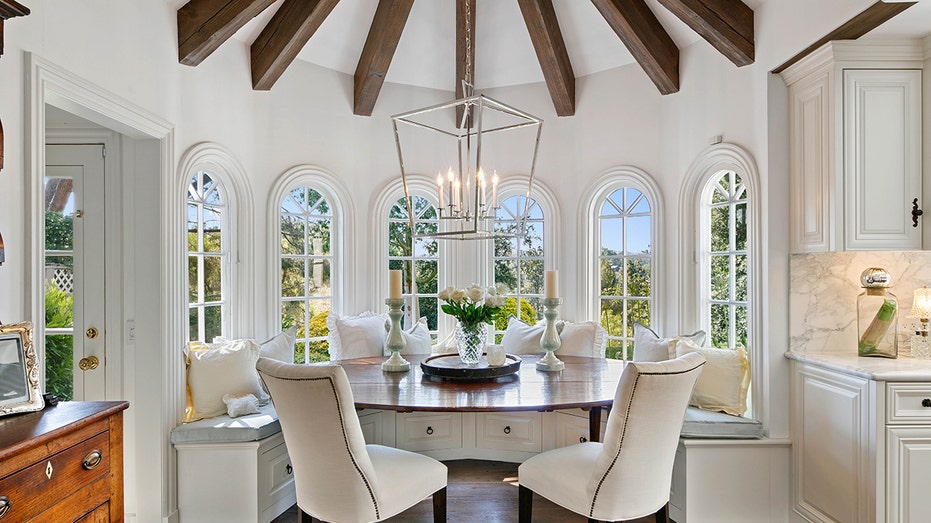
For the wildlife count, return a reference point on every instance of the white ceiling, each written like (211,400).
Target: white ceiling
(504,54)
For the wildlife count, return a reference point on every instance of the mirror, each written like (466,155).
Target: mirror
(19,370)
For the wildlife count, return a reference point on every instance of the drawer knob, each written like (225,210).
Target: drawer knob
(289,469)
(507,429)
(582,439)
(5,505)
(91,460)
(429,431)
(926,402)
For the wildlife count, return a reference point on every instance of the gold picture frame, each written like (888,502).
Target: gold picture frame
(19,370)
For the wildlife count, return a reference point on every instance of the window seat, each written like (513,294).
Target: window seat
(224,429)
(706,424)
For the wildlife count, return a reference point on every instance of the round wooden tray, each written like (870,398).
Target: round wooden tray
(450,367)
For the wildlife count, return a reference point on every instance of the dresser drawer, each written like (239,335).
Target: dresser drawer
(276,478)
(36,487)
(908,403)
(521,431)
(432,431)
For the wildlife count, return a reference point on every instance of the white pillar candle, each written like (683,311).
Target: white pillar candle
(439,187)
(551,286)
(394,290)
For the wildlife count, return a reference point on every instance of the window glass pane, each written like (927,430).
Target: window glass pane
(318,237)
(293,202)
(740,226)
(506,272)
(194,330)
(720,277)
(192,228)
(719,325)
(425,247)
(532,245)
(314,203)
(504,247)
(638,277)
(292,234)
(638,235)
(642,206)
(59,365)
(740,326)
(319,284)
(631,198)
(612,276)
(398,211)
(292,314)
(213,279)
(612,236)
(531,280)
(637,311)
(193,190)
(615,349)
(535,212)
(429,309)
(292,277)
(426,276)
(740,281)
(300,352)
(720,229)
(212,230)
(318,351)
(612,316)
(193,280)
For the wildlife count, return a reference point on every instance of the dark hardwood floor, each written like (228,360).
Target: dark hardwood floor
(484,491)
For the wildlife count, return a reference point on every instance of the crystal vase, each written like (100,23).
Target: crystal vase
(470,342)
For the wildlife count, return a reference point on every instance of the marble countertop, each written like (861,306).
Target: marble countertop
(879,369)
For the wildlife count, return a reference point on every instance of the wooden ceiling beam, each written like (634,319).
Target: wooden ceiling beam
(646,39)
(203,25)
(540,18)
(283,38)
(871,18)
(9,9)
(380,45)
(725,24)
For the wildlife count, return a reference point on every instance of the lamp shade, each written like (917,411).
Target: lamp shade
(921,306)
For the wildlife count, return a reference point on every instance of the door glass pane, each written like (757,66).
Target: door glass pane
(59,212)
(58,366)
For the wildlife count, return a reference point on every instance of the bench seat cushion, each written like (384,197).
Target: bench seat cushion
(224,429)
(700,423)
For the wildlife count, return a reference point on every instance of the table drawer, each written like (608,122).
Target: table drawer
(521,431)
(432,431)
(44,483)
(908,402)
(276,477)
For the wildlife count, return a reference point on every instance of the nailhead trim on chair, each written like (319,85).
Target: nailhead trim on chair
(620,446)
(345,437)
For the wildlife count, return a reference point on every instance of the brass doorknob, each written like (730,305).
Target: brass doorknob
(89,363)
(92,333)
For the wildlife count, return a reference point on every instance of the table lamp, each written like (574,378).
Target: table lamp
(921,309)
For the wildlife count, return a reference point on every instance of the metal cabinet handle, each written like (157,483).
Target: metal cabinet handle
(582,439)
(926,402)
(289,469)
(507,429)
(5,505)
(92,459)
(916,212)
(429,431)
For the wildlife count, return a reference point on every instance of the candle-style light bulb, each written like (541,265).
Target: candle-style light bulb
(494,189)
(439,187)
(481,184)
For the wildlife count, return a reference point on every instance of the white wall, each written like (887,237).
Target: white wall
(129,48)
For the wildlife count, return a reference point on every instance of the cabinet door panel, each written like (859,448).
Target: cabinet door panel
(909,473)
(882,158)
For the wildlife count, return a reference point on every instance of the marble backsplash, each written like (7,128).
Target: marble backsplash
(823,289)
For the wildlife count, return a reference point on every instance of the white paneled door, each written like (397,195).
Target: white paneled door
(74,271)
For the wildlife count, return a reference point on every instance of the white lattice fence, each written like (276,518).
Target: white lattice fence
(64,279)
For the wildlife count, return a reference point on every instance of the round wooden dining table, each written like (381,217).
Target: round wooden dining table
(585,383)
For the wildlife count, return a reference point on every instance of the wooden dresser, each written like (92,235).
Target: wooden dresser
(64,463)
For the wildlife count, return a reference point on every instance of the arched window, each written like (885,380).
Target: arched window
(724,278)
(519,262)
(208,253)
(309,213)
(416,258)
(622,260)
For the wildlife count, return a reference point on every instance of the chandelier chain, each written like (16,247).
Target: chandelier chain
(468,21)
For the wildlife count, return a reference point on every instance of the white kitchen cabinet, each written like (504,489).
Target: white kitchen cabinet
(855,147)
(861,442)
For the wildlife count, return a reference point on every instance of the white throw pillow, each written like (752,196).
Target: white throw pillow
(227,367)
(724,380)
(280,347)
(587,338)
(416,339)
(359,336)
(648,346)
(520,338)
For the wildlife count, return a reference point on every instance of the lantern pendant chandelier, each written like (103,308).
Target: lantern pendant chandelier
(465,144)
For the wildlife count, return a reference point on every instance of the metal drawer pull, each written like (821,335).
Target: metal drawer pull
(507,429)
(92,459)
(289,469)
(582,439)
(5,505)
(926,402)
(429,431)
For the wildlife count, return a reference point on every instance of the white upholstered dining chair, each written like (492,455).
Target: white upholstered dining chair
(337,477)
(628,475)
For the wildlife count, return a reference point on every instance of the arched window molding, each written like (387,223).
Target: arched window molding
(546,200)
(594,198)
(385,199)
(222,165)
(336,194)
(693,223)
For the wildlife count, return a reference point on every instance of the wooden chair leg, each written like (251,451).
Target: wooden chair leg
(439,506)
(661,514)
(524,504)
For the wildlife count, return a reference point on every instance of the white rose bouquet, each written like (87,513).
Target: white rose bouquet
(474,304)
